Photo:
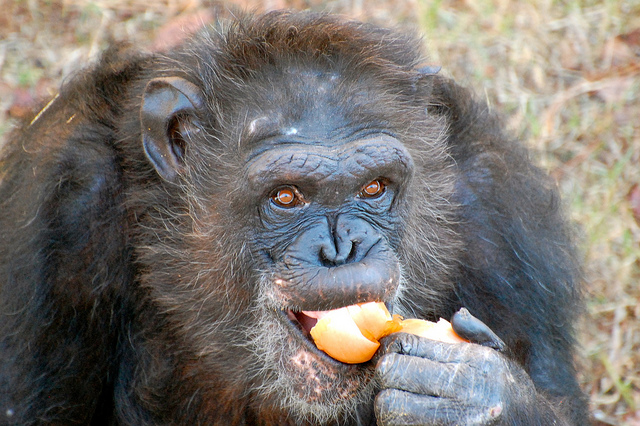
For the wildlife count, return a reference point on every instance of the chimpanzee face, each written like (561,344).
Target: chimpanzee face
(311,165)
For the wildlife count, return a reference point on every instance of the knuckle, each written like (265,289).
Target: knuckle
(387,368)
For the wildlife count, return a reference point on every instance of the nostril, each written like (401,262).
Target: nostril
(326,252)
(352,256)
(326,260)
(347,253)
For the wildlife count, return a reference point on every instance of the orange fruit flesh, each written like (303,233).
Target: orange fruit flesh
(338,335)
(351,334)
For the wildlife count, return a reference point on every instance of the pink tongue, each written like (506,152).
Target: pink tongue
(308,319)
(316,314)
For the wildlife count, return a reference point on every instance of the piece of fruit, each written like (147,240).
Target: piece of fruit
(373,320)
(351,334)
(338,335)
(440,330)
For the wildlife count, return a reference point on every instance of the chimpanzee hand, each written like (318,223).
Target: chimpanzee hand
(425,382)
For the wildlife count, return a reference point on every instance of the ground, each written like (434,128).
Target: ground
(566,74)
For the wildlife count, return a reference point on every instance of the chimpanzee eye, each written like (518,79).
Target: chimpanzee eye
(373,189)
(286,196)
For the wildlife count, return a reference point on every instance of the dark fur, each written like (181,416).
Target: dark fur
(125,298)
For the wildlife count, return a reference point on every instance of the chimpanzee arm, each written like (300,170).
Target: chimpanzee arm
(519,271)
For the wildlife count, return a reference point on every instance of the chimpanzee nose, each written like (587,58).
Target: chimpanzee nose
(337,263)
(353,237)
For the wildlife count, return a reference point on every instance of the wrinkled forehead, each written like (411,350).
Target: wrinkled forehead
(307,103)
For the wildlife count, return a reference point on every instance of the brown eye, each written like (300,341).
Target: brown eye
(374,188)
(285,197)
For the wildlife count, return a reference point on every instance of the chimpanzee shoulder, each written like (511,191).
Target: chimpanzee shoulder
(529,303)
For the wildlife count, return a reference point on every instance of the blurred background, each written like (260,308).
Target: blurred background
(565,74)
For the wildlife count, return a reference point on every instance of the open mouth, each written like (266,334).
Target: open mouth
(302,322)
(305,320)
(349,334)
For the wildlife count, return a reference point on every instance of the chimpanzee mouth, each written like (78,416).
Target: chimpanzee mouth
(302,322)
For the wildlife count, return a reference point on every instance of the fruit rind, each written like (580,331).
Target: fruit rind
(351,334)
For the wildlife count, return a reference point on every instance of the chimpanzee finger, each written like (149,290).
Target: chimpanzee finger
(410,344)
(471,328)
(395,407)
(418,375)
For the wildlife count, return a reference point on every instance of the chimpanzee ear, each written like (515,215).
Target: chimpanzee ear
(167,103)
(422,71)
(428,69)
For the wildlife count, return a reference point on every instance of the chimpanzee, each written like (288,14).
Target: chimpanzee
(169,221)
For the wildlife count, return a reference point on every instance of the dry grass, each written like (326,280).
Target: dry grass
(566,74)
